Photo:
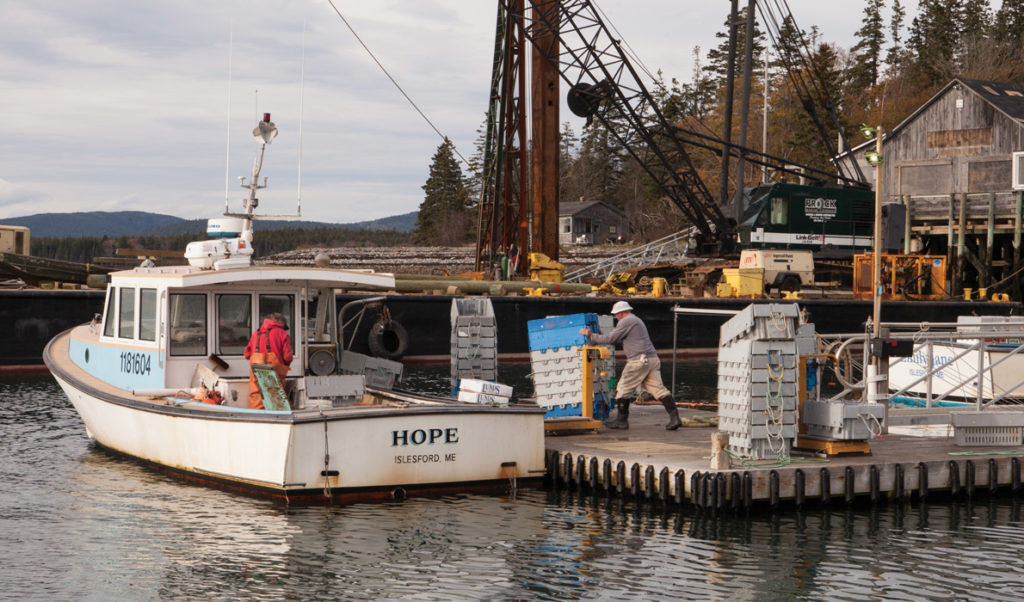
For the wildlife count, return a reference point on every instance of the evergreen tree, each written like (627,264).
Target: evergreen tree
(935,38)
(444,216)
(475,169)
(867,51)
(566,158)
(718,58)
(596,171)
(975,20)
(1008,25)
(892,57)
(700,92)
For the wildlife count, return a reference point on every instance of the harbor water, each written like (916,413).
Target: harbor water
(78,523)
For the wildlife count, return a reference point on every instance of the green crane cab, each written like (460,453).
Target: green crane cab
(833,222)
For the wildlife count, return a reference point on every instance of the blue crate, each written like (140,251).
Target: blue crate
(560,331)
(568,409)
(602,406)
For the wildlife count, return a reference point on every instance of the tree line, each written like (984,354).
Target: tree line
(891,69)
(86,249)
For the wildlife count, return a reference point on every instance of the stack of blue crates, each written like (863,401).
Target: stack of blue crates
(557,365)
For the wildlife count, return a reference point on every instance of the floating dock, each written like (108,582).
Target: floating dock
(649,464)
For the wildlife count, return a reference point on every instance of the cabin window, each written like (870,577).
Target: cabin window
(566,225)
(780,211)
(110,319)
(187,318)
(234,323)
(147,314)
(126,325)
(285,304)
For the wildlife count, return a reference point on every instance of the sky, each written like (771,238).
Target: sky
(136,105)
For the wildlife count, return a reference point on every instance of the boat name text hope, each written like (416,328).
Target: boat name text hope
(404,438)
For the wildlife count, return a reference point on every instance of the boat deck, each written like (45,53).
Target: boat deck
(649,463)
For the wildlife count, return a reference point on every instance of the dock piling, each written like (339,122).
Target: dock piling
(899,484)
(922,482)
(874,483)
(680,483)
(851,485)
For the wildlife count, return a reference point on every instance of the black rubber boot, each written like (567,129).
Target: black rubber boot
(621,416)
(673,413)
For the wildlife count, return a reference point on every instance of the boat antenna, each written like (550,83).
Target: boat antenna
(227,158)
(264,132)
(302,89)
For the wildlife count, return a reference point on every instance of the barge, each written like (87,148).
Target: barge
(34,316)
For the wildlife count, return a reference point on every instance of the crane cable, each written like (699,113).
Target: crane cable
(393,81)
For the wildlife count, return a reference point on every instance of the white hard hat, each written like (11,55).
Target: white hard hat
(621,306)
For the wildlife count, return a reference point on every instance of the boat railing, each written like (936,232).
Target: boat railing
(949,376)
(945,377)
(981,374)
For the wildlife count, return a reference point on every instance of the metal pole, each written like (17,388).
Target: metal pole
(876,256)
(877,373)
(748,68)
(675,334)
(764,122)
(730,73)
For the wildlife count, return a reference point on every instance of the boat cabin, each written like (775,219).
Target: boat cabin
(164,327)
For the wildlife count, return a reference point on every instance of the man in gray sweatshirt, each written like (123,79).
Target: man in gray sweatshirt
(643,368)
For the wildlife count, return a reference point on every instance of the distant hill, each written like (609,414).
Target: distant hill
(141,223)
(92,223)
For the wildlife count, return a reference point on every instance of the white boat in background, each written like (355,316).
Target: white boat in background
(161,377)
(983,359)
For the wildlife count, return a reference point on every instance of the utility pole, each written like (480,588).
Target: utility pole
(748,71)
(876,375)
(730,74)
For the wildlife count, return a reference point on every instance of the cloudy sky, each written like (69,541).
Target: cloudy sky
(124,104)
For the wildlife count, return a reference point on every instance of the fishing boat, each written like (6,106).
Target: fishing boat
(161,376)
(979,360)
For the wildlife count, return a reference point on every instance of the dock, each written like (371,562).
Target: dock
(652,465)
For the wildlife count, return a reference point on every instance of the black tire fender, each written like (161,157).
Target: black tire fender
(388,339)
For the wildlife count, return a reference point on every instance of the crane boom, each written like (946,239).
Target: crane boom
(605,85)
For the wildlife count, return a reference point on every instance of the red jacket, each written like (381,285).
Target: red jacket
(278,339)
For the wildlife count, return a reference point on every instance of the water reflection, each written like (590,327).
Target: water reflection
(79,523)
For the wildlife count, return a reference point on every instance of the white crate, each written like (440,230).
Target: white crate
(485,386)
(482,398)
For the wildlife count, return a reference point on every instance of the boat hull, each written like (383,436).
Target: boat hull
(332,454)
(956,375)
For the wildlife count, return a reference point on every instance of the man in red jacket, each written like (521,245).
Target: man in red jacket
(268,345)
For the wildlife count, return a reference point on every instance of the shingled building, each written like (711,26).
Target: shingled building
(951,164)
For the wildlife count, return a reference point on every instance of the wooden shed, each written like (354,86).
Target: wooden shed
(950,164)
(591,223)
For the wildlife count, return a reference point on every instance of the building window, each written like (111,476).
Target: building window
(611,229)
(187,318)
(110,319)
(234,323)
(566,225)
(147,314)
(126,311)
(283,304)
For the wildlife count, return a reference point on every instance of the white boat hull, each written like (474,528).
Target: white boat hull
(343,454)
(957,378)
